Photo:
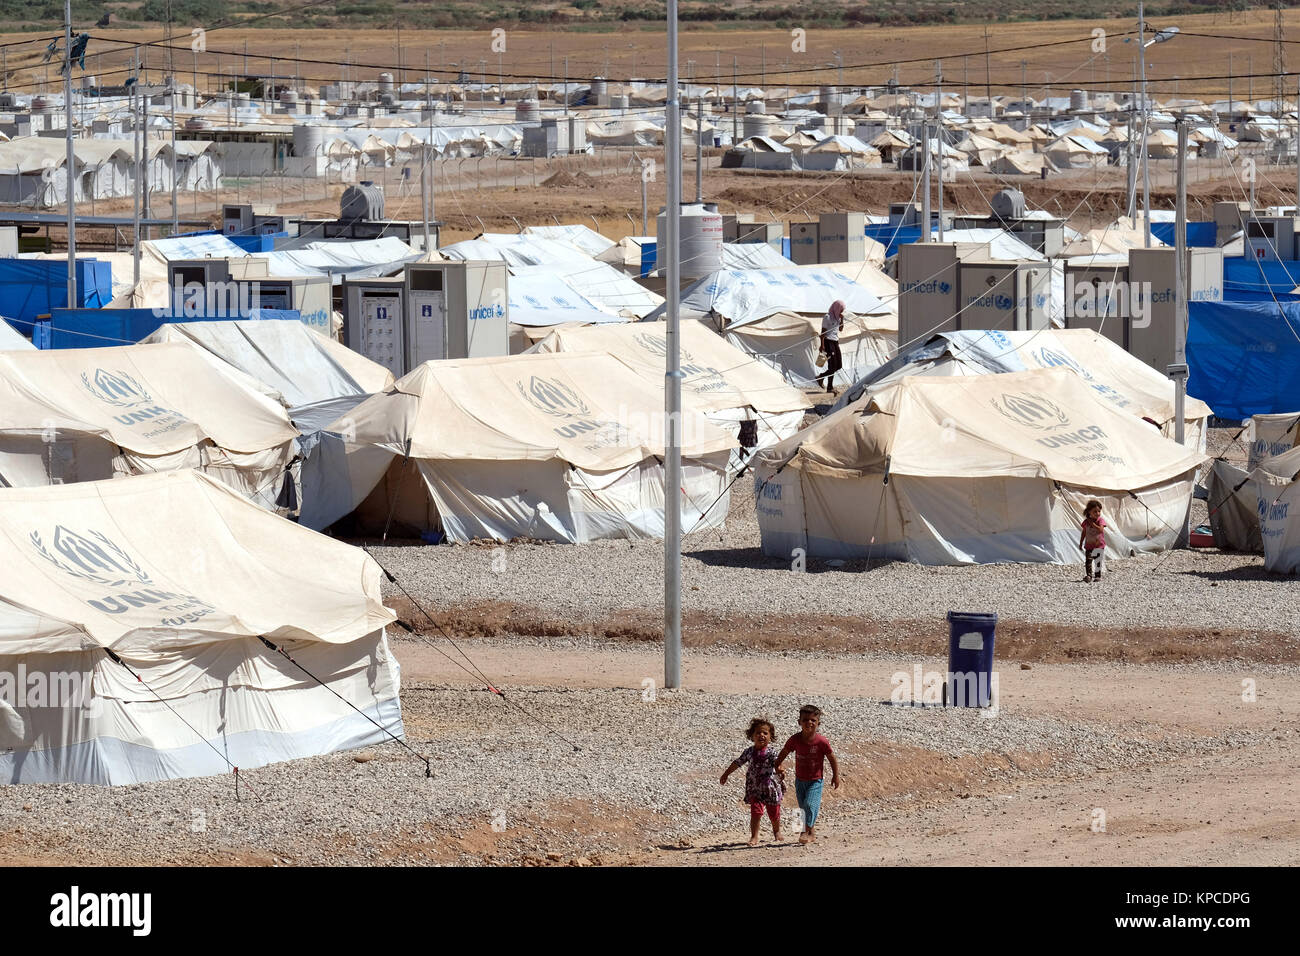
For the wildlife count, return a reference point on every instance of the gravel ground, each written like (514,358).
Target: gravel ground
(660,760)
(724,571)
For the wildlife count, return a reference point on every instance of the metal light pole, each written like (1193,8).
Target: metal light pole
(71,172)
(925,184)
(699,149)
(1178,370)
(1146,170)
(673,375)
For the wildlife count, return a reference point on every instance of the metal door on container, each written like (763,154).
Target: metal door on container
(381,331)
(428,327)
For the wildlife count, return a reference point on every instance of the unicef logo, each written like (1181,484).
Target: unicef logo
(552,397)
(659,346)
(945,287)
(93,557)
(1032,410)
(115,388)
(1040,301)
(1002,302)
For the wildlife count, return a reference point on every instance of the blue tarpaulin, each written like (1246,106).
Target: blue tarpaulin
(99,328)
(1259,280)
(34,287)
(1244,357)
(893,236)
(1198,233)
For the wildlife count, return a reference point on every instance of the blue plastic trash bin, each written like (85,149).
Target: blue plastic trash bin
(970,659)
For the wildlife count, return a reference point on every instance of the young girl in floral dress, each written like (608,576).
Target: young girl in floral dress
(764,784)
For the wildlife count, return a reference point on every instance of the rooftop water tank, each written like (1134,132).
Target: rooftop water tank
(756,106)
(756,125)
(365,200)
(597,86)
(1008,204)
(1078,100)
(307,140)
(385,82)
(700,252)
(527,111)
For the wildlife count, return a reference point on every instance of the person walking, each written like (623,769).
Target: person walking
(832,323)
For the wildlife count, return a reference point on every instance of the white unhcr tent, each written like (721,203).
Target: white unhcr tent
(978,469)
(723,383)
(175,578)
(1125,382)
(562,447)
(789,343)
(75,415)
(11,338)
(1277,489)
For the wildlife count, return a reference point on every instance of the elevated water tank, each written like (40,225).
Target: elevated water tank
(385,82)
(1008,204)
(1078,100)
(527,111)
(8,101)
(364,200)
(307,140)
(756,106)
(598,87)
(289,99)
(700,252)
(756,125)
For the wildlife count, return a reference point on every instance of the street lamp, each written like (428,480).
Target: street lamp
(1160,36)
(839,62)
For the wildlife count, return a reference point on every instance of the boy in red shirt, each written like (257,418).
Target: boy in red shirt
(811,750)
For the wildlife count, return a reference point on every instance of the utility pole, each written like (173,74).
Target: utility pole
(1130,207)
(988,85)
(1146,166)
(735,104)
(938,117)
(1178,370)
(925,183)
(673,374)
(71,176)
(699,149)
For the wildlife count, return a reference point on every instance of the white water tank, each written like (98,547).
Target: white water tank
(1078,100)
(598,88)
(527,111)
(756,106)
(618,101)
(307,140)
(700,251)
(289,99)
(385,82)
(756,125)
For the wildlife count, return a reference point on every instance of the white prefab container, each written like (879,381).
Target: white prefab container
(1007,296)
(842,237)
(1152,274)
(700,251)
(1270,238)
(436,310)
(1097,298)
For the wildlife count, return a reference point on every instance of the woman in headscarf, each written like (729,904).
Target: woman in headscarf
(832,322)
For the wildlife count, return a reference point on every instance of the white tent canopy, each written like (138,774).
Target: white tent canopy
(178,577)
(720,380)
(748,295)
(11,338)
(562,446)
(1277,489)
(979,469)
(75,415)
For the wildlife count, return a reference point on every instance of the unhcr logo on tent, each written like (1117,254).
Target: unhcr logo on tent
(96,559)
(553,397)
(1031,409)
(659,346)
(115,388)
